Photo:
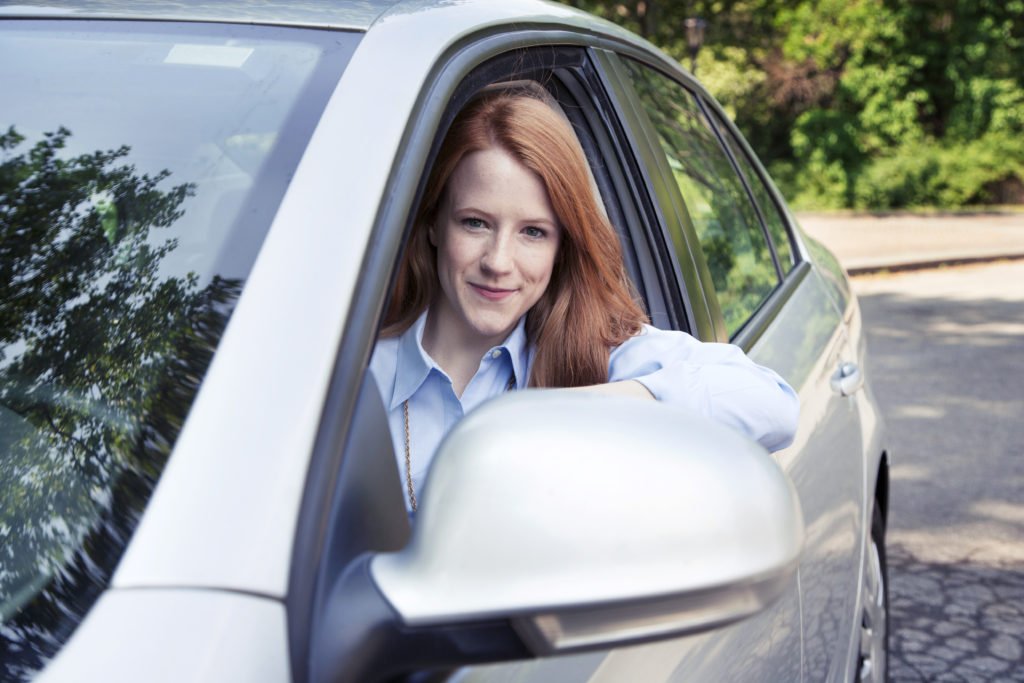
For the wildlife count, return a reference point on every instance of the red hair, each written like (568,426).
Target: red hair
(589,306)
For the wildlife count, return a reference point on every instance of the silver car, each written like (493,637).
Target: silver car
(201,211)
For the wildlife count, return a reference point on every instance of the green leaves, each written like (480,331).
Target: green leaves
(863,103)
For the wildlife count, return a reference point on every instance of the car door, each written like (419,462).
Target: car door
(768,298)
(355,504)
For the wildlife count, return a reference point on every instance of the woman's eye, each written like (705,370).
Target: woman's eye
(474,223)
(534,232)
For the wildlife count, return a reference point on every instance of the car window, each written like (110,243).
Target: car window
(731,236)
(773,219)
(140,167)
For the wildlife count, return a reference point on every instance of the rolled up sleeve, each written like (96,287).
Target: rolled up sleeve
(715,380)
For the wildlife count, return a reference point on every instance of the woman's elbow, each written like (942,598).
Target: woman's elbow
(784,420)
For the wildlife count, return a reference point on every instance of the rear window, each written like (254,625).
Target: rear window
(140,167)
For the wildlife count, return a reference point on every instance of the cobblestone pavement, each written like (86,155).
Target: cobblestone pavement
(954,623)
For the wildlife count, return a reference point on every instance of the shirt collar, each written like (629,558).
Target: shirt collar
(414,363)
(520,353)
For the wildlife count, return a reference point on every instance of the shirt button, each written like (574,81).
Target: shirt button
(496,353)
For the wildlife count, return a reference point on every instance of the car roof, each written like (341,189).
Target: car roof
(351,14)
(340,14)
(359,15)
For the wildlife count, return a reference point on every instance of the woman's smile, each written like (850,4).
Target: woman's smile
(497,294)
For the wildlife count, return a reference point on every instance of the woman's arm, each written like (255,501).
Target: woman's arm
(715,380)
(628,387)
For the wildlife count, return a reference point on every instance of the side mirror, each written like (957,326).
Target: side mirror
(556,521)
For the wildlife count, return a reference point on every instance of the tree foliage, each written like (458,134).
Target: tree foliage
(862,103)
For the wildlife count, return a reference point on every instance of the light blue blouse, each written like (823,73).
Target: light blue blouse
(715,380)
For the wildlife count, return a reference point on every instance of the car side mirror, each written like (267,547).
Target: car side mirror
(555,521)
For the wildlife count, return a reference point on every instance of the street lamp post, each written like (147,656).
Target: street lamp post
(694,39)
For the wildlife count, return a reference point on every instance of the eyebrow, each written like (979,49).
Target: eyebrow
(469,208)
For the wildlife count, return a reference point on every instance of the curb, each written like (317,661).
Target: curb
(907,266)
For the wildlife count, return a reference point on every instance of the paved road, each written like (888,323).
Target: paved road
(870,243)
(947,348)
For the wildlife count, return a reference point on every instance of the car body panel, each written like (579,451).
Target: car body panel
(826,465)
(169,636)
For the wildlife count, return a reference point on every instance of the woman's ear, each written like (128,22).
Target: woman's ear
(431,235)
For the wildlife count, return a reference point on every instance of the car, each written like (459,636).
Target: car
(202,207)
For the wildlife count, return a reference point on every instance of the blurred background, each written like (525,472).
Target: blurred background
(867,104)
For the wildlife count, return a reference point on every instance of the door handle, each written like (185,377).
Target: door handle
(847,379)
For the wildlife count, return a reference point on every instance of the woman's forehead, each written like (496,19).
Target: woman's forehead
(496,176)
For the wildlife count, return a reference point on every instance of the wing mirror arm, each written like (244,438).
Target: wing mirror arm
(361,638)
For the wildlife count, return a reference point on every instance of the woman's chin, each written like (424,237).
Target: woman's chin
(494,331)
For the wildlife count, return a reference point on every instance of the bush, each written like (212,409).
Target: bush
(904,179)
(943,175)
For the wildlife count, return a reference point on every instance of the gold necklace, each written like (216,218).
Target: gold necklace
(408,458)
(408,451)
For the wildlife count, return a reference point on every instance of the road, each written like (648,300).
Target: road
(947,354)
(873,242)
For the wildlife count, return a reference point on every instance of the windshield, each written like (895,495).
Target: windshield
(140,167)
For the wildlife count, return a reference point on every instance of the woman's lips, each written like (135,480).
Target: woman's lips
(492,293)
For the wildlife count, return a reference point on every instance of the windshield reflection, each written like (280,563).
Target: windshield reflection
(141,165)
(101,357)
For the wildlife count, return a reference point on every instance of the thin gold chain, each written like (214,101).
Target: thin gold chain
(408,450)
(408,458)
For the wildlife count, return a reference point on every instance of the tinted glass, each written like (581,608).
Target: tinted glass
(140,167)
(730,234)
(773,219)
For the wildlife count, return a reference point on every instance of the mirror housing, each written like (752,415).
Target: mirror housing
(588,521)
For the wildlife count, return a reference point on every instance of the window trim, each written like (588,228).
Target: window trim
(714,117)
(723,121)
(691,286)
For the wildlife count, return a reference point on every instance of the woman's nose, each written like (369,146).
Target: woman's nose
(498,258)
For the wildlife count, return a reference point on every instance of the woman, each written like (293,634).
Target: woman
(514,278)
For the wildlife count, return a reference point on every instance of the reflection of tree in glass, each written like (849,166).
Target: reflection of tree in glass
(723,217)
(100,359)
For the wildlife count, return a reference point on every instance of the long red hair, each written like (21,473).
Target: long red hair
(589,306)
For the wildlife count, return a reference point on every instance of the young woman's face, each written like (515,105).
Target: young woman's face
(496,237)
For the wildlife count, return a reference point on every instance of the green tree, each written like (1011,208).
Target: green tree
(862,103)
